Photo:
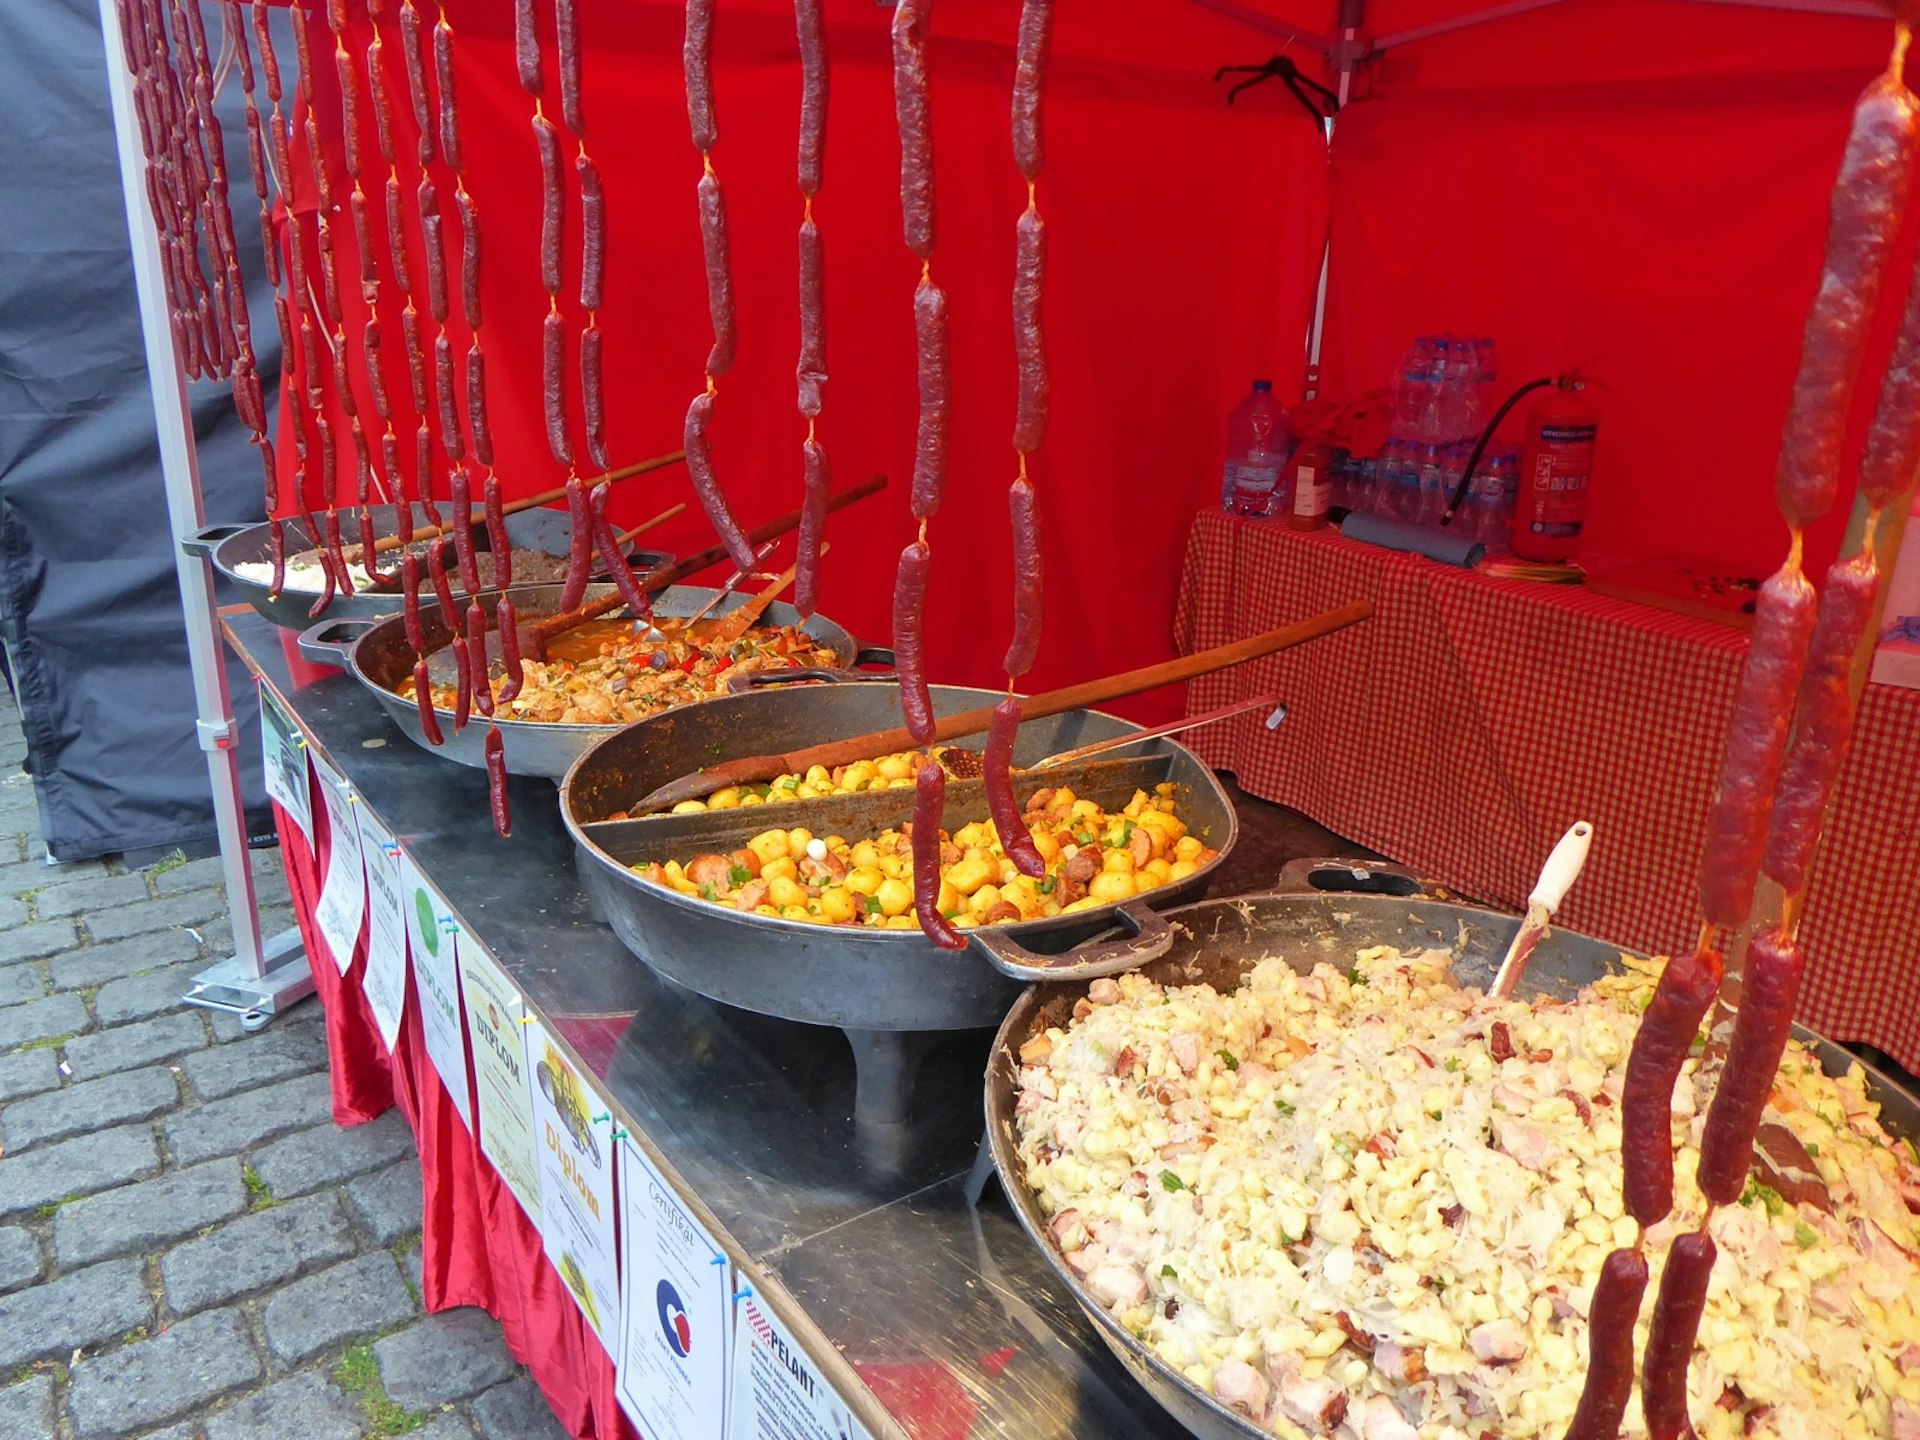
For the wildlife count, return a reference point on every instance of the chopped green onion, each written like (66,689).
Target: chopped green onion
(1166,1273)
(1286,1107)
(1228,1059)
(1804,1235)
(706,891)
(1453,1062)
(1171,1182)
(739,875)
(1354,977)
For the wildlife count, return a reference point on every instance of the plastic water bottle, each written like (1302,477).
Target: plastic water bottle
(1498,486)
(1258,444)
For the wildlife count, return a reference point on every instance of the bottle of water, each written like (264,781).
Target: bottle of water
(1462,404)
(1498,488)
(1258,444)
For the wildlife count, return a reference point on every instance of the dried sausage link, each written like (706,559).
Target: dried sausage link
(612,559)
(818,480)
(256,146)
(1756,743)
(514,674)
(813,93)
(413,49)
(449,398)
(1023,505)
(332,521)
(469,257)
(329,282)
(477,408)
(370,357)
(1015,839)
(1892,451)
(477,655)
(1676,1324)
(566,25)
(909,644)
(462,506)
(929,801)
(403,501)
(1687,987)
(382,101)
(1869,199)
(526,47)
(1610,1322)
(277,550)
(410,601)
(497,782)
(416,357)
(707,486)
(811,372)
(497,540)
(396,235)
(1823,721)
(713,242)
(697,57)
(1029,344)
(593,232)
(343,380)
(423,701)
(580,549)
(423,467)
(1029,79)
(1770,985)
(553,203)
(930,440)
(910,111)
(349,108)
(269,61)
(592,401)
(553,381)
(449,99)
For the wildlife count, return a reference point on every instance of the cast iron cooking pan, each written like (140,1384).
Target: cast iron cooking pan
(848,976)
(375,652)
(230,546)
(1217,942)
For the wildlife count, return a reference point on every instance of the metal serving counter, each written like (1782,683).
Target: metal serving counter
(861,1240)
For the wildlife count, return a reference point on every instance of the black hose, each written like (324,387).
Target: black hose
(1486,439)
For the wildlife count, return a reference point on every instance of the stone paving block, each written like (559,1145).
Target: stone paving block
(81,1166)
(87,1307)
(361,1297)
(26,1410)
(276,1053)
(96,892)
(196,907)
(116,959)
(43,1020)
(21,983)
(239,1122)
(145,1043)
(388,1202)
(139,1219)
(182,1431)
(139,997)
(443,1359)
(309,1406)
(327,1155)
(19,1258)
(194,875)
(155,1380)
(36,942)
(257,1250)
(27,1073)
(94,1105)
(447,1425)
(516,1411)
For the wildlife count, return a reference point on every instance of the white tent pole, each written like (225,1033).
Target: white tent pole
(186,515)
(1271,24)
(1346,53)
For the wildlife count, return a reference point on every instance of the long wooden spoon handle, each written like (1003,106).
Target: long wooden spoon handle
(753,768)
(626,537)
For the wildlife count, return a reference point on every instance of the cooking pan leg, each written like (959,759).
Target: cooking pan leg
(886,1064)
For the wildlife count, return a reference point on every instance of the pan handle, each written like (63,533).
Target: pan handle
(1152,937)
(1321,875)
(874,655)
(754,679)
(200,544)
(328,642)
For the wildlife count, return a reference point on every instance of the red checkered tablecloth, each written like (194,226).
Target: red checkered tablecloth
(1465,726)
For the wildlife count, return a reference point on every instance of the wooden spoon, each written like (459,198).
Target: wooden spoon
(752,768)
(735,623)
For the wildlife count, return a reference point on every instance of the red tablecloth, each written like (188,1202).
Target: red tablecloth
(1465,726)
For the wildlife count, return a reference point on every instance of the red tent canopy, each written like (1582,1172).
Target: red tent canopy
(1637,186)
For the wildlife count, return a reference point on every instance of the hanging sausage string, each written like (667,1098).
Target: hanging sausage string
(810,373)
(1768,807)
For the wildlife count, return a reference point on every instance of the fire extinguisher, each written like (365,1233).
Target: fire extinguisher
(1556,467)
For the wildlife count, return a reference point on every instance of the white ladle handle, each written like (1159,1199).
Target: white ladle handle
(1563,867)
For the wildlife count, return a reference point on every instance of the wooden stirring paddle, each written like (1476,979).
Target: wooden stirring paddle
(753,768)
(735,623)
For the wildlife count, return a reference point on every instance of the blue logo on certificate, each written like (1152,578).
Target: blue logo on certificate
(673,1319)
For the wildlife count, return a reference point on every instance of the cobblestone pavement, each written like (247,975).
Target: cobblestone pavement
(189,1248)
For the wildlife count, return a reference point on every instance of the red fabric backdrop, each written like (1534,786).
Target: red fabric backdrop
(1184,239)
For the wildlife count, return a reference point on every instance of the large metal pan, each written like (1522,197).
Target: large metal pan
(375,652)
(231,546)
(1312,915)
(868,982)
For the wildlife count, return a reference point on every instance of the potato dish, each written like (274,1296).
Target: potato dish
(1093,858)
(1374,1205)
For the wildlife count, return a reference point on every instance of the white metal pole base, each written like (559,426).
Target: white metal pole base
(235,986)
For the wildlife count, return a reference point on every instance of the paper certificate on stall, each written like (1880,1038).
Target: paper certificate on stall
(343,894)
(436,981)
(676,1342)
(494,1012)
(778,1392)
(384,981)
(573,1152)
(285,758)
